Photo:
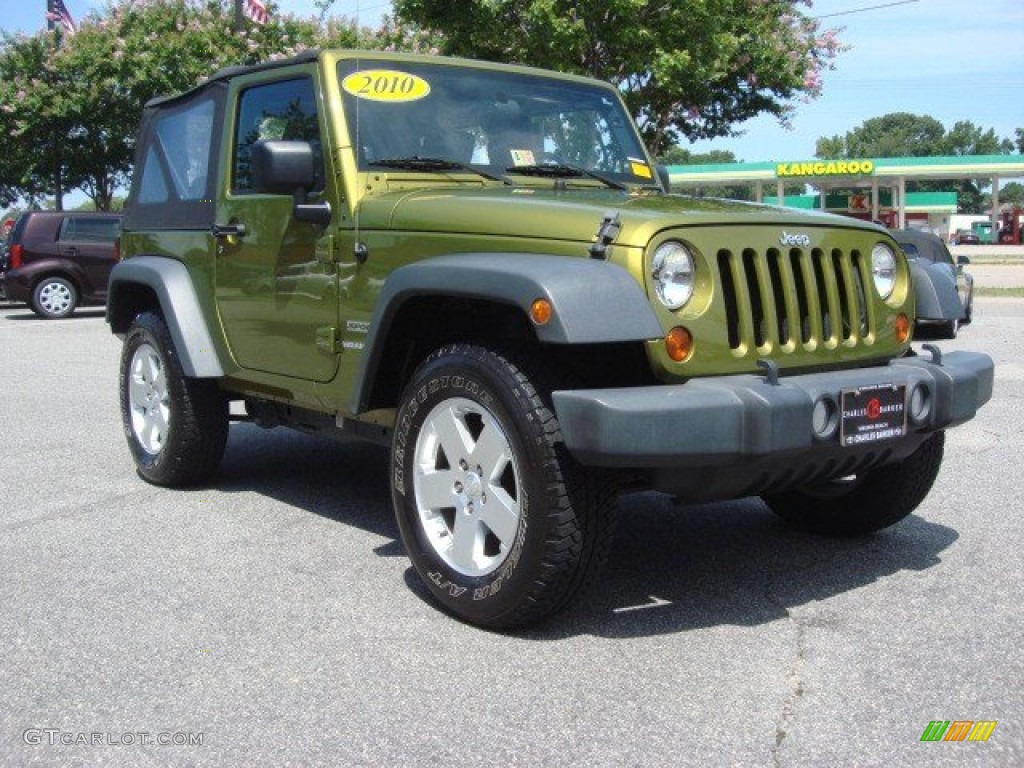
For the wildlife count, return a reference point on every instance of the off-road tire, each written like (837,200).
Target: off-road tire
(868,503)
(54,297)
(176,426)
(492,413)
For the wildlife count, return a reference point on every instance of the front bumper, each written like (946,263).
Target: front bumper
(751,423)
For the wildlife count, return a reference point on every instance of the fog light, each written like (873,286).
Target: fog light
(902,327)
(824,418)
(679,344)
(541,311)
(920,404)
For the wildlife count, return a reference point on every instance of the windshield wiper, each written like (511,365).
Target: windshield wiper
(428,164)
(564,171)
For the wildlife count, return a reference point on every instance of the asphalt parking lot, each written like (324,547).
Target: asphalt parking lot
(272,619)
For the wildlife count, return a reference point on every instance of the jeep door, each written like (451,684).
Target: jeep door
(277,302)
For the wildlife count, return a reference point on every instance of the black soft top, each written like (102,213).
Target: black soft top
(924,245)
(222,75)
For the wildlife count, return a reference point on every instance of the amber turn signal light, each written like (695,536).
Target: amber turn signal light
(541,311)
(679,344)
(902,327)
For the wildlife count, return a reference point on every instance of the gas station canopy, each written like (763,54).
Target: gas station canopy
(869,174)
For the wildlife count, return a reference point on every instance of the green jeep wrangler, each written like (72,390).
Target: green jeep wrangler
(479,266)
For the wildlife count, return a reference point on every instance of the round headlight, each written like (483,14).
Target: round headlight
(673,272)
(883,269)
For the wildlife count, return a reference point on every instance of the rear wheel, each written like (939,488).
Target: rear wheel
(54,297)
(176,426)
(861,504)
(503,527)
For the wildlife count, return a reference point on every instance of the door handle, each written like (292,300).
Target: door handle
(228,230)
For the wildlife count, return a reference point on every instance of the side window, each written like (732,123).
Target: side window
(88,229)
(96,230)
(176,162)
(183,137)
(67,229)
(153,186)
(282,110)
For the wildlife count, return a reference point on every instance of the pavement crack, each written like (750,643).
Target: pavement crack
(785,722)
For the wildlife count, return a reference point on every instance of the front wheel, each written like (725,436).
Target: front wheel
(502,526)
(861,504)
(176,426)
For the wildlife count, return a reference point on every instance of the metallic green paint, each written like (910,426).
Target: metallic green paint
(293,303)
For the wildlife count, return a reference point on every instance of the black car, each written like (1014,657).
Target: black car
(966,237)
(57,260)
(944,291)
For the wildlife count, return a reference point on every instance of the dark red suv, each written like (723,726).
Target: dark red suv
(56,260)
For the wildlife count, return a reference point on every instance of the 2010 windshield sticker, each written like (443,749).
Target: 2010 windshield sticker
(385,85)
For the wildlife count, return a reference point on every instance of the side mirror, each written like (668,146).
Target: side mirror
(289,168)
(281,167)
(962,261)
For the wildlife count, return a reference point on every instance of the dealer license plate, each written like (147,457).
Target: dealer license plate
(871,414)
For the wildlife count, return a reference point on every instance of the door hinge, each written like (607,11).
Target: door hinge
(327,249)
(328,340)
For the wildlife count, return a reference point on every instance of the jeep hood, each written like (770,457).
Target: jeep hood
(571,215)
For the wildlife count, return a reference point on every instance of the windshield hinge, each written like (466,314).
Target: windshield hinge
(606,234)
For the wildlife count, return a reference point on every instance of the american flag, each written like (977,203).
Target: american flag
(57,12)
(255,10)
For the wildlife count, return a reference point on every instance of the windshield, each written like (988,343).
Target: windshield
(503,123)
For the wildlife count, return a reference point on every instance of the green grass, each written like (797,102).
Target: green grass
(1016,292)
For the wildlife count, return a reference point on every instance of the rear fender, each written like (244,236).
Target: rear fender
(169,282)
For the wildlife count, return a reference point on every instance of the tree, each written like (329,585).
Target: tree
(1012,194)
(966,138)
(30,167)
(902,134)
(693,68)
(899,134)
(1020,140)
(73,102)
(681,156)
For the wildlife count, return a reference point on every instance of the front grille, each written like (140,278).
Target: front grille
(790,300)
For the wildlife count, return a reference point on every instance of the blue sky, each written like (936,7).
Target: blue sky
(950,59)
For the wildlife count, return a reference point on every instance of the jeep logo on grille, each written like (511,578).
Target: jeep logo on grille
(796,239)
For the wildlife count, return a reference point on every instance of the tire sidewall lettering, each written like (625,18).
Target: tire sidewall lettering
(509,566)
(407,416)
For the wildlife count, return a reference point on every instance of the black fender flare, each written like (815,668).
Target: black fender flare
(169,280)
(594,301)
(935,295)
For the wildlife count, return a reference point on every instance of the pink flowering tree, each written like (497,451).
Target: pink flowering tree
(687,68)
(70,104)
